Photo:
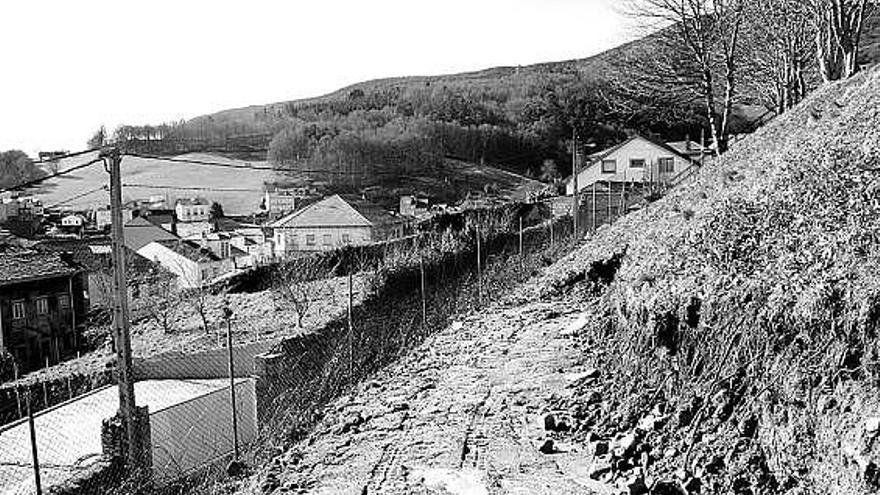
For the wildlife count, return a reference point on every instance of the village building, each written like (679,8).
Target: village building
(73,221)
(414,206)
(103,217)
(638,159)
(94,257)
(224,246)
(193,210)
(139,232)
(41,304)
(333,222)
(279,201)
(194,265)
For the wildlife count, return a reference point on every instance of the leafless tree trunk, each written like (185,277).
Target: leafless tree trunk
(838,25)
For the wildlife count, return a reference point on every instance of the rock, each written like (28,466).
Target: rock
(550,422)
(600,448)
(600,467)
(668,488)
(635,485)
(576,326)
(693,485)
(548,447)
(624,445)
(872,426)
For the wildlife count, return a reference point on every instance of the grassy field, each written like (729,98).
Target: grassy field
(239,191)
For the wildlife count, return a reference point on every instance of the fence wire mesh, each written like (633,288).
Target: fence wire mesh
(276,342)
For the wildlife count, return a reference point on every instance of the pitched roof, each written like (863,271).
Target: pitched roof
(189,250)
(606,153)
(139,232)
(336,211)
(687,147)
(22,264)
(192,201)
(95,255)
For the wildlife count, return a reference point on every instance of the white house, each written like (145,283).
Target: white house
(638,159)
(193,265)
(333,222)
(74,220)
(193,210)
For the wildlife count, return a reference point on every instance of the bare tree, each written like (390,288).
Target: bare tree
(779,46)
(161,300)
(838,28)
(293,285)
(701,40)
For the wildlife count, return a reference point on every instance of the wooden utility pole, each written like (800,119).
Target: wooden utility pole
(227,312)
(575,210)
(34,456)
(121,320)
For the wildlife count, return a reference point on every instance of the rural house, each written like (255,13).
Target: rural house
(638,159)
(41,304)
(139,232)
(94,257)
(333,222)
(225,245)
(193,217)
(194,265)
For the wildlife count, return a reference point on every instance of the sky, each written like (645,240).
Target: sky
(70,67)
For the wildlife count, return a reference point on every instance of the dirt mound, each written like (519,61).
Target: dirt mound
(745,308)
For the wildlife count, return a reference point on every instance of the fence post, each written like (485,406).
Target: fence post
(610,196)
(227,312)
(17,392)
(479,271)
(350,328)
(520,237)
(593,215)
(423,294)
(34,455)
(551,232)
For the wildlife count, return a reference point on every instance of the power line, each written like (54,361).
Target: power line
(78,196)
(69,155)
(191,188)
(31,183)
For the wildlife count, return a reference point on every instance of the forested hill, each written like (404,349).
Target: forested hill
(517,118)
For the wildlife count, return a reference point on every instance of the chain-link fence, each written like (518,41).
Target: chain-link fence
(236,371)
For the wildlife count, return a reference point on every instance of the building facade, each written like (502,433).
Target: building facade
(41,304)
(637,159)
(334,222)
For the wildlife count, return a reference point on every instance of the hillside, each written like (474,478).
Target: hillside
(722,340)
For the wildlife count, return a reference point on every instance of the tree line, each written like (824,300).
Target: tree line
(727,52)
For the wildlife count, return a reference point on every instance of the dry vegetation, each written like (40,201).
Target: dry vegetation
(743,310)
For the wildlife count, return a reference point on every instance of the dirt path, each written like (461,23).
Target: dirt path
(462,414)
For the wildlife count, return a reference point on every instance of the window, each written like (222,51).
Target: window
(42,305)
(666,165)
(346,238)
(63,302)
(609,166)
(310,239)
(18,310)
(637,163)
(327,240)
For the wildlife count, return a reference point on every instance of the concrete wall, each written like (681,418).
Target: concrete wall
(203,365)
(186,436)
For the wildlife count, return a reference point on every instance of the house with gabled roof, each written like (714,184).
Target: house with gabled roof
(194,265)
(333,222)
(139,232)
(638,159)
(41,305)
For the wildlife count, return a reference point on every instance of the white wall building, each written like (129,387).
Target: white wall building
(193,265)
(193,210)
(637,159)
